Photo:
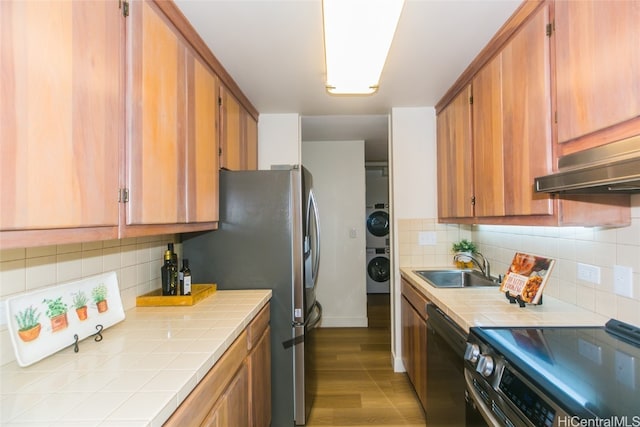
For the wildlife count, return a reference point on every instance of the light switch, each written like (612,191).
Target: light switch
(427,238)
(589,273)
(353,233)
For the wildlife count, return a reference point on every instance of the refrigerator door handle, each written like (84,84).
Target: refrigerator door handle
(313,323)
(313,208)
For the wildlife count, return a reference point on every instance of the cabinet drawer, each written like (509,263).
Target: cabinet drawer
(415,298)
(257,327)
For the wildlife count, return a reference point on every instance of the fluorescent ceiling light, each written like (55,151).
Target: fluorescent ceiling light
(357,38)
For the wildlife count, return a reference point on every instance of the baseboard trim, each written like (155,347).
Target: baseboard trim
(344,322)
(398,366)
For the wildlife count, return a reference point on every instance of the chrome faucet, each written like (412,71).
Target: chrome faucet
(484,268)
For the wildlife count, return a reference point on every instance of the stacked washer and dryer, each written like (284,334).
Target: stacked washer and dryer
(378,262)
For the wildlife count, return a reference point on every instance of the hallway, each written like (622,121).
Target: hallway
(356,383)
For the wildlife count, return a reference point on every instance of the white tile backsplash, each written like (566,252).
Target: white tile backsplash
(41,271)
(137,262)
(603,247)
(13,277)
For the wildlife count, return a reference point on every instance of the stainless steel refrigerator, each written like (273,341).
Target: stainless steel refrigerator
(269,238)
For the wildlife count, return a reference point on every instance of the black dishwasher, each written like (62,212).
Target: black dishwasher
(446,401)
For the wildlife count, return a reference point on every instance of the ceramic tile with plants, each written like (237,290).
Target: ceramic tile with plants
(45,321)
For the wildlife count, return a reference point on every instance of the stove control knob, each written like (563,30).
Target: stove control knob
(485,366)
(472,353)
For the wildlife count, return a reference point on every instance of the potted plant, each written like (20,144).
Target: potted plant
(99,295)
(463,250)
(28,324)
(80,303)
(57,312)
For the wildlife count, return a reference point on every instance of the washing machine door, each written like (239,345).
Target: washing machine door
(379,269)
(378,223)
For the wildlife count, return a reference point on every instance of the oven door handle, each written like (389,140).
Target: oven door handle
(480,404)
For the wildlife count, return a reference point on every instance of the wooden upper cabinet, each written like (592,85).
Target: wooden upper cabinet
(156,143)
(202,141)
(251,141)
(238,134)
(512,124)
(61,109)
(488,161)
(512,132)
(172,149)
(231,154)
(526,112)
(597,68)
(455,158)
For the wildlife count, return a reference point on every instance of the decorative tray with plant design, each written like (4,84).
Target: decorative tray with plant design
(47,320)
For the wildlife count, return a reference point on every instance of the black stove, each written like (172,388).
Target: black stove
(555,376)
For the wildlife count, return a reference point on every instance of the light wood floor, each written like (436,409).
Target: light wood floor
(356,383)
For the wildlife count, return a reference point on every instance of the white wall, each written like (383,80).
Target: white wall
(414,162)
(339,183)
(278,140)
(412,172)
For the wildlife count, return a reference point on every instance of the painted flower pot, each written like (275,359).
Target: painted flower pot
(102,306)
(30,334)
(59,322)
(82,312)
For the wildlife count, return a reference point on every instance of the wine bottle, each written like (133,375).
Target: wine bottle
(185,278)
(167,273)
(174,260)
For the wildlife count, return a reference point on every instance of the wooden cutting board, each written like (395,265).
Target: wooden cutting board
(156,299)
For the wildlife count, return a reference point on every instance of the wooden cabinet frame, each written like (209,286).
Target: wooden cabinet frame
(589,210)
(413,318)
(227,395)
(108,198)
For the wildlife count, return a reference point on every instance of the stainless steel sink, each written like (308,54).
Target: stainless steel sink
(455,278)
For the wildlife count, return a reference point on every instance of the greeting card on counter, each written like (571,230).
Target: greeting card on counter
(527,276)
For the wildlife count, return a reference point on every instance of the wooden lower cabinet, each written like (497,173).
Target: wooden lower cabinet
(259,364)
(414,338)
(236,392)
(231,409)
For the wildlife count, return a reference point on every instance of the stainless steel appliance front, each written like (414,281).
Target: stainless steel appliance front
(268,238)
(555,376)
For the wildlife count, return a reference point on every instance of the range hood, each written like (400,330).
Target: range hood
(610,168)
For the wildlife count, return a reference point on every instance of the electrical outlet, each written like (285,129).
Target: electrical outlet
(625,369)
(623,280)
(427,238)
(589,273)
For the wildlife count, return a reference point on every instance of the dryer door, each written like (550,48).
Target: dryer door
(378,223)
(379,269)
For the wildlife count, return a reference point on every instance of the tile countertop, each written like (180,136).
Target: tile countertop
(487,306)
(137,375)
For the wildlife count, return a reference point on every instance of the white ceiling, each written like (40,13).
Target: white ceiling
(274,50)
